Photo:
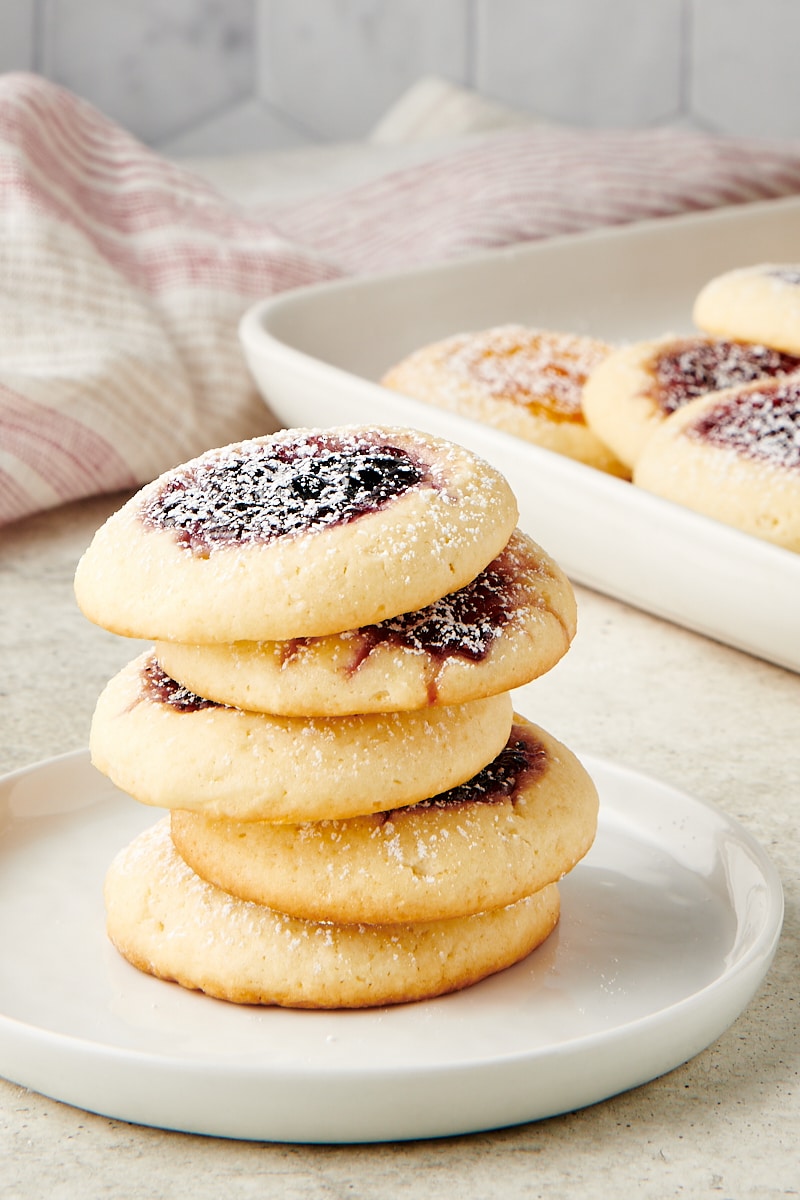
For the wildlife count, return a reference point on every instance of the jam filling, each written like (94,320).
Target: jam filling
(521,761)
(543,373)
(465,623)
(695,366)
(763,424)
(160,687)
(271,491)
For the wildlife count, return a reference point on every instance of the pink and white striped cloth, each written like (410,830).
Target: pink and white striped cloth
(123,276)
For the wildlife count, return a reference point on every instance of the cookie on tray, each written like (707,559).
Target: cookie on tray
(299,534)
(734,456)
(170,923)
(510,624)
(173,749)
(519,824)
(758,303)
(633,391)
(527,382)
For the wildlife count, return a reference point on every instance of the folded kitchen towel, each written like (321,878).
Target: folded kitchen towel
(123,276)
(121,282)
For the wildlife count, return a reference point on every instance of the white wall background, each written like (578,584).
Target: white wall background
(207,76)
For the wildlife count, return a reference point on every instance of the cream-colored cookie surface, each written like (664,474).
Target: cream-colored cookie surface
(170,923)
(527,382)
(758,303)
(734,456)
(172,749)
(633,391)
(518,825)
(506,627)
(300,534)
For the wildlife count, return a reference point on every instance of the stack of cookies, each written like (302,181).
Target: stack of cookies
(356,815)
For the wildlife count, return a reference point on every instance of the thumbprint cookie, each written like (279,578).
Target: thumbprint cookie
(637,387)
(300,534)
(755,304)
(527,382)
(171,748)
(509,625)
(170,923)
(734,456)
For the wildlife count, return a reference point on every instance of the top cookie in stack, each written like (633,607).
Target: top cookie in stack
(301,534)
(339,616)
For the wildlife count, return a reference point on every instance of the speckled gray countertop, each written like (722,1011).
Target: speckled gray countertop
(633,689)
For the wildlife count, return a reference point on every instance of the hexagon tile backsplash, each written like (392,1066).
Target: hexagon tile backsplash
(210,76)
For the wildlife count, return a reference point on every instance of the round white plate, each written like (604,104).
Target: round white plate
(668,926)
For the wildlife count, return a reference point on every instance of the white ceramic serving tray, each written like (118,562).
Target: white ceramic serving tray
(316,353)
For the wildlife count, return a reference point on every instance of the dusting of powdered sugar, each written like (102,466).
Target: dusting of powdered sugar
(691,367)
(261,490)
(161,688)
(760,423)
(465,622)
(187,909)
(538,369)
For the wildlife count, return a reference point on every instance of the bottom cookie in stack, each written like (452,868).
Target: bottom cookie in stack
(392,907)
